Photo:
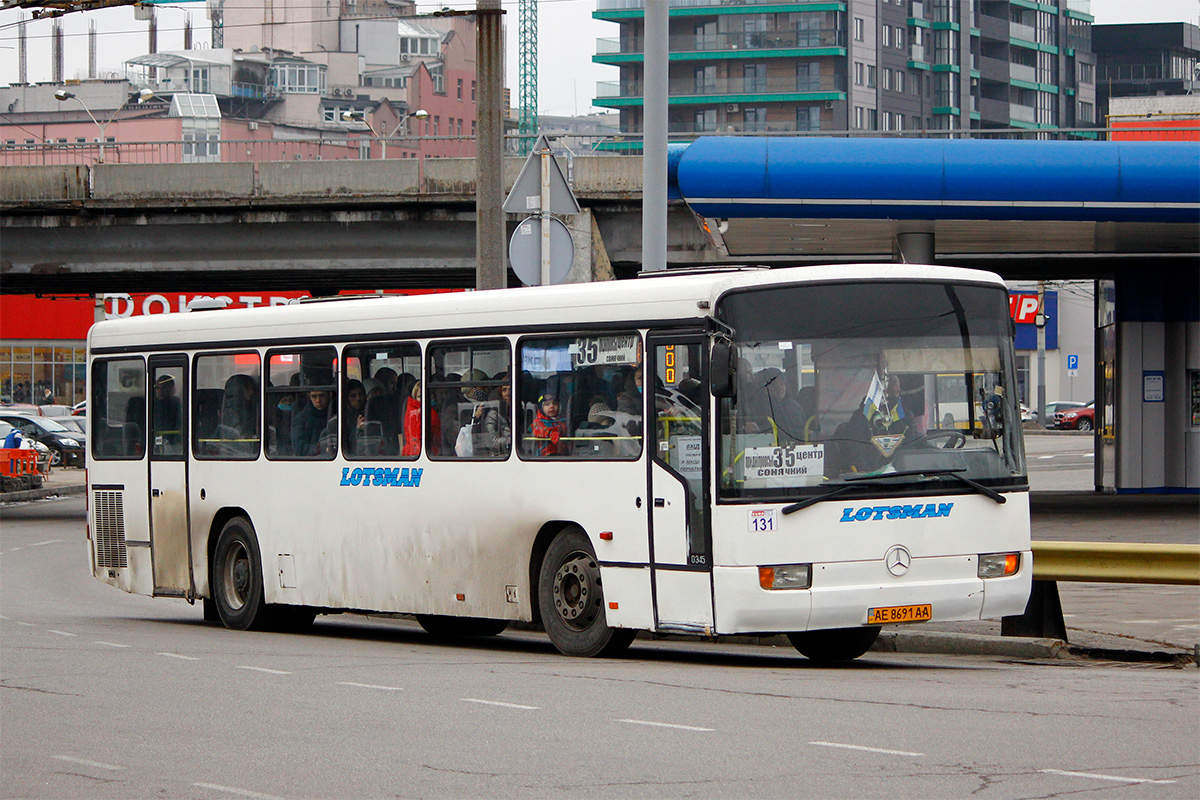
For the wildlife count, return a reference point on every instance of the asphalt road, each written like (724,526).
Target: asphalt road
(108,695)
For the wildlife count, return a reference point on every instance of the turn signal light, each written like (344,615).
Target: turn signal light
(786,576)
(999,565)
(606,535)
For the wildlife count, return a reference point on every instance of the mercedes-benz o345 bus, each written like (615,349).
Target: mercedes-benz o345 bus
(751,451)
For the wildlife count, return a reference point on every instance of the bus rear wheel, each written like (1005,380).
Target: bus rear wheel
(237,581)
(437,625)
(571,599)
(837,644)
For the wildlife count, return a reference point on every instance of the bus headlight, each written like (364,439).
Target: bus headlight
(999,565)
(786,576)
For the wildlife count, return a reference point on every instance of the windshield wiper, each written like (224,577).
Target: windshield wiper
(850,482)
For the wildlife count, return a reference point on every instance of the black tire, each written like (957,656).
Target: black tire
(837,644)
(56,456)
(440,626)
(571,599)
(237,578)
(209,609)
(1085,424)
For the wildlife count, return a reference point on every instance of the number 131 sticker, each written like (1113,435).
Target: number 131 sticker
(762,520)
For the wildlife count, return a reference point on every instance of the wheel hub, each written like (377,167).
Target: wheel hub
(576,591)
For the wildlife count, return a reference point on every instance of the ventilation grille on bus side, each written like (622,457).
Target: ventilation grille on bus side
(110,530)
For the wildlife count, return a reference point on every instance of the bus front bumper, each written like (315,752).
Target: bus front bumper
(842,595)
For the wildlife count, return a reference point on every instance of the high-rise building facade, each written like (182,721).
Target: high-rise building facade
(1147,59)
(870,65)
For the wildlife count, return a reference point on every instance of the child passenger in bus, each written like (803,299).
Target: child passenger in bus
(548,428)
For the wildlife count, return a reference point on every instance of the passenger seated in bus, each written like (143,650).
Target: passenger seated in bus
(384,408)
(354,421)
(630,399)
(411,444)
(547,429)
(239,408)
(770,410)
(597,436)
(495,438)
(309,423)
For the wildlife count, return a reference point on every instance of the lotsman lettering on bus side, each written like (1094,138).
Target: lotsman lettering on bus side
(875,513)
(381,476)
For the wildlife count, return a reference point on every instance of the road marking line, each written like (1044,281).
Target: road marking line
(26,624)
(3,617)
(177,655)
(58,633)
(1102,777)
(868,749)
(111,644)
(1044,457)
(48,541)
(666,725)
(86,763)
(216,787)
(370,686)
(264,669)
(498,703)
(15,549)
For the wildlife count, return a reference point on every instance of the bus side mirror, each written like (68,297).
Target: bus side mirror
(721,370)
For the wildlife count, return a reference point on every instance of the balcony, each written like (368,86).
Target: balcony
(1021,72)
(749,89)
(1021,113)
(1026,33)
(730,43)
(993,69)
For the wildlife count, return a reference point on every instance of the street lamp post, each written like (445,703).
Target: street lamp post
(62,96)
(360,116)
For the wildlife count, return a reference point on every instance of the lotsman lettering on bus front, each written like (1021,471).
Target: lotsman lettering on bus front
(381,476)
(875,513)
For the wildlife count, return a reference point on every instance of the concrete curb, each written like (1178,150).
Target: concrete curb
(934,642)
(44,492)
(970,644)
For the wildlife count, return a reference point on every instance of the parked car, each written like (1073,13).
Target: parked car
(43,452)
(21,408)
(1082,418)
(79,409)
(66,446)
(1054,407)
(77,424)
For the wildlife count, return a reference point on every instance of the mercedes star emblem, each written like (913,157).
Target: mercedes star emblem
(898,560)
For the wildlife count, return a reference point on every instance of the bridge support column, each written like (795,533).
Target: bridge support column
(915,247)
(591,256)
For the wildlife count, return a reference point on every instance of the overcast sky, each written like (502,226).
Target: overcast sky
(566,31)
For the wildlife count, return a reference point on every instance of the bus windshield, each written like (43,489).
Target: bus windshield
(836,383)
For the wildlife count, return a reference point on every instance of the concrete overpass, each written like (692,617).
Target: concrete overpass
(323,225)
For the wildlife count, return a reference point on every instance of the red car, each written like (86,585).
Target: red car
(1076,419)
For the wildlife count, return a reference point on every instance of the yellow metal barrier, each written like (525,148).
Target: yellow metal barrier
(1117,562)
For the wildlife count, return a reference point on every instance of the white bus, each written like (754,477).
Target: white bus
(726,452)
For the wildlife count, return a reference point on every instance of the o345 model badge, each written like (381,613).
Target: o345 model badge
(897,560)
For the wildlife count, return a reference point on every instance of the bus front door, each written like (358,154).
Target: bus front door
(681,544)
(170,544)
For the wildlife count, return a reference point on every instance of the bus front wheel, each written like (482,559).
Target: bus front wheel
(237,577)
(837,644)
(571,599)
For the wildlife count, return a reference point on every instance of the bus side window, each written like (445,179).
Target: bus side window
(581,397)
(386,423)
(226,404)
(467,387)
(118,408)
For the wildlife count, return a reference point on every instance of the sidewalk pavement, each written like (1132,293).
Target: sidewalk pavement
(1115,620)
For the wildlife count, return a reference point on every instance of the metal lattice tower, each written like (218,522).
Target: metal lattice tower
(528,122)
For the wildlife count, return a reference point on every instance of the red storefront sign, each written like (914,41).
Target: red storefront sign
(68,317)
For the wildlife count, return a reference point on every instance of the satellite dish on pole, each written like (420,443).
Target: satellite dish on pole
(525,251)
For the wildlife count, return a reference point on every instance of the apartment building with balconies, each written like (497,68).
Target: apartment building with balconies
(764,66)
